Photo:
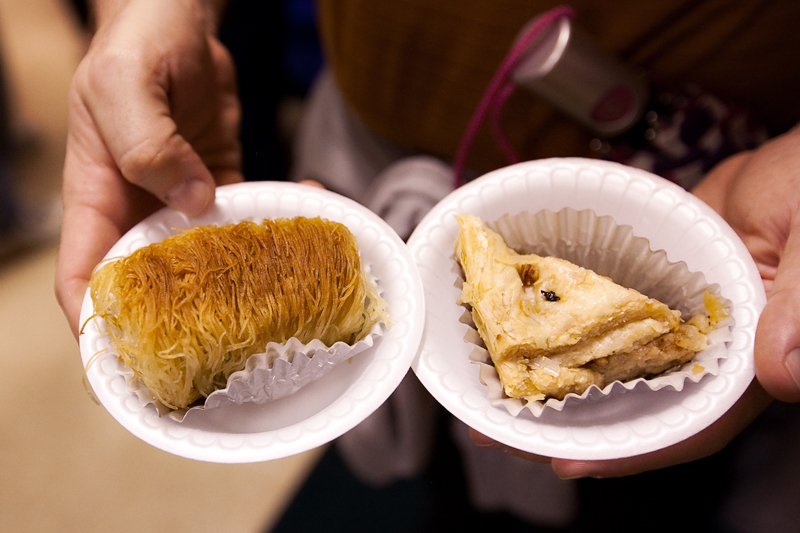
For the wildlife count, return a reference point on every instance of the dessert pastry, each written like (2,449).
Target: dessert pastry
(187,312)
(554,328)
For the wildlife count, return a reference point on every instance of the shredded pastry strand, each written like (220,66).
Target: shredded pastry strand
(187,312)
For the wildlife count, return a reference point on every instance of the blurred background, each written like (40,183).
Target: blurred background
(65,464)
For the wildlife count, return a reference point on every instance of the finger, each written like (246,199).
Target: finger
(777,345)
(704,444)
(130,80)
(713,189)
(142,138)
(311,183)
(204,101)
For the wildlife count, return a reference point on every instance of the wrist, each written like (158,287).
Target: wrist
(210,11)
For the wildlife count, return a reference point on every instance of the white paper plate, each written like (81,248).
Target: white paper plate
(316,414)
(627,422)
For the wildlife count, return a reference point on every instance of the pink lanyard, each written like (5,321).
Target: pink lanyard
(498,91)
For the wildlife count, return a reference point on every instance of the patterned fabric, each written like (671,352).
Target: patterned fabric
(684,133)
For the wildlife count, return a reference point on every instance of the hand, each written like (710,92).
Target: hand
(154,119)
(758,193)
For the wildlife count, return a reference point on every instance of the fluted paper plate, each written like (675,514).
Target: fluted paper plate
(317,413)
(626,422)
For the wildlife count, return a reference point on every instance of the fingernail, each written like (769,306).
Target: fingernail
(190,197)
(792,363)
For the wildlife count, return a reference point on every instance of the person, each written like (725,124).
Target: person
(154,121)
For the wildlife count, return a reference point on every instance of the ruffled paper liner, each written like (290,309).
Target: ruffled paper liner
(609,249)
(279,371)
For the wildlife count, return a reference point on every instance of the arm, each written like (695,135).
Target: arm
(758,193)
(154,119)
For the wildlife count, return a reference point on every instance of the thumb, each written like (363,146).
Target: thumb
(128,100)
(151,154)
(777,344)
(168,167)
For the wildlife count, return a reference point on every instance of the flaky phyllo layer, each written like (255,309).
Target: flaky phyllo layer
(187,312)
(554,328)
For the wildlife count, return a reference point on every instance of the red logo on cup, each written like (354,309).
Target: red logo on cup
(615,104)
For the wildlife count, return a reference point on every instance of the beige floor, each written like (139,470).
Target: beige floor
(65,464)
